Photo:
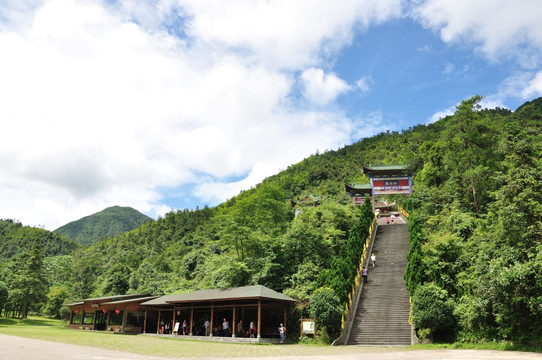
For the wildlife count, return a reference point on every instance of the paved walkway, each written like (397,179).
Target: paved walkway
(18,348)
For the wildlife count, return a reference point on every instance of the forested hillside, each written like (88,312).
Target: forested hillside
(16,238)
(107,223)
(475,261)
(29,263)
(476,251)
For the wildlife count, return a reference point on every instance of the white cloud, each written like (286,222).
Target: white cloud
(364,84)
(497,27)
(218,191)
(321,88)
(448,69)
(103,103)
(534,87)
(285,34)
(369,124)
(524,85)
(441,114)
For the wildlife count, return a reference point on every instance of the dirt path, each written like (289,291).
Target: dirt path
(17,348)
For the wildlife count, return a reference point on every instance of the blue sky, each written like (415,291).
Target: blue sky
(173,104)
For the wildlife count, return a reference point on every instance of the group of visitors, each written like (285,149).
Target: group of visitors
(222,330)
(225,329)
(251,332)
(165,327)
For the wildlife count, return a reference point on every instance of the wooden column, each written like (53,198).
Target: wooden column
(173,321)
(158,321)
(191,319)
(259,318)
(124,319)
(233,321)
(284,309)
(212,317)
(145,321)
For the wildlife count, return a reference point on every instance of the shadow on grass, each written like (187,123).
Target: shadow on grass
(30,321)
(7,322)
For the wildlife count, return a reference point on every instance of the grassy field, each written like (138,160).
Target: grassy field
(53,330)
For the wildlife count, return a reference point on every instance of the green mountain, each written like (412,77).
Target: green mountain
(16,238)
(109,222)
(475,260)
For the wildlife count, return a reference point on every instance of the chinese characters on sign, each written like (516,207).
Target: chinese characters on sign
(391,185)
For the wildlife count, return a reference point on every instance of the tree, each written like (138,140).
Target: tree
(303,243)
(414,272)
(146,279)
(505,288)
(117,280)
(3,295)
(326,309)
(59,269)
(55,299)
(27,285)
(432,309)
(470,148)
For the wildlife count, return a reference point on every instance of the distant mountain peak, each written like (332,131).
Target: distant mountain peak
(109,222)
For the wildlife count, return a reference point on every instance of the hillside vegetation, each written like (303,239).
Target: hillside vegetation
(109,222)
(475,259)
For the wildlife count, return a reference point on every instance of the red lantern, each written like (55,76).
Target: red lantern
(77,311)
(104,311)
(117,312)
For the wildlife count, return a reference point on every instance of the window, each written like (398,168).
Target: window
(77,317)
(135,319)
(89,318)
(114,318)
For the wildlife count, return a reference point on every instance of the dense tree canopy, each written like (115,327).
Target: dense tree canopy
(475,232)
(475,229)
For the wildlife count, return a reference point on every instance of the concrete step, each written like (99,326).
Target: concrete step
(384,309)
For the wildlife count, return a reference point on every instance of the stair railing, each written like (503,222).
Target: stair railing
(351,307)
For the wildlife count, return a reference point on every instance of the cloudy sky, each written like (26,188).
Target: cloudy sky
(173,104)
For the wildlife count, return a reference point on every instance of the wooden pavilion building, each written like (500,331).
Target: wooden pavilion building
(119,313)
(256,304)
(144,313)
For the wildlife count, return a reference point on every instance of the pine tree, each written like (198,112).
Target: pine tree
(27,285)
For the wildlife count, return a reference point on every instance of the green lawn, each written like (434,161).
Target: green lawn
(53,330)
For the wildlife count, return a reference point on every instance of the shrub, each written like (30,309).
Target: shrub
(326,309)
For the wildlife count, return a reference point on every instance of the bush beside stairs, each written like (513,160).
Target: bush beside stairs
(383,311)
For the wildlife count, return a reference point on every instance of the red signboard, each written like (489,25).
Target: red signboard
(358,200)
(391,185)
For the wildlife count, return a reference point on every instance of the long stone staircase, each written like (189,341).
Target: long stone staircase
(383,310)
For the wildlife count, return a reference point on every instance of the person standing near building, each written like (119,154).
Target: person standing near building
(282,333)
(226,327)
(240,330)
(207,326)
(253,331)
